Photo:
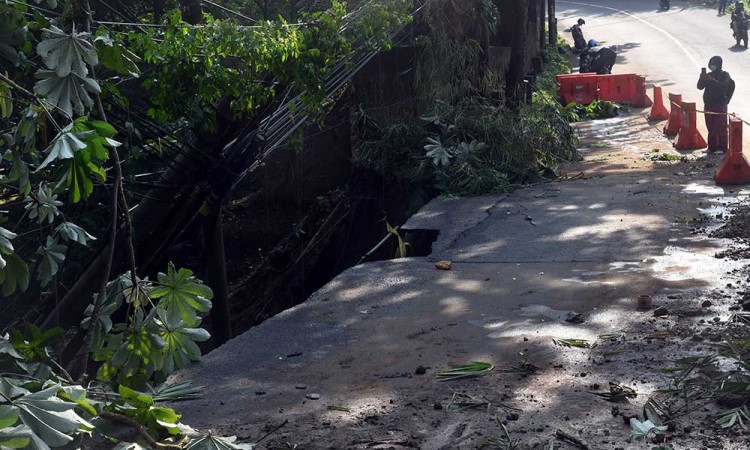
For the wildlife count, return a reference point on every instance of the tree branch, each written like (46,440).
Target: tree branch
(85,12)
(31,95)
(119,418)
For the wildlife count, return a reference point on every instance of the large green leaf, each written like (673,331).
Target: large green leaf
(138,400)
(114,56)
(43,207)
(50,418)
(15,437)
(182,296)
(13,33)
(15,275)
(11,389)
(81,169)
(103,128)
(25,134)
(141,406)
(8,416)
(7,349)
(77,395)
(135,353)
(201,441)
(5,246)
(72,232)
(180,340)
(65,146)
(34,345)
(6,101)
(65,53)
(69,93)
(112,302)
(52,255)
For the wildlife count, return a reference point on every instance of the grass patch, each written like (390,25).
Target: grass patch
(664,157)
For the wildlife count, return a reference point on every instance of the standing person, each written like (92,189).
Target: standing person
(722,7)
(719,88)
(739,23)
(579,42)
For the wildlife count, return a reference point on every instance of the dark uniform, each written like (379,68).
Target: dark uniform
(739,24)
(578,40)
(719,88)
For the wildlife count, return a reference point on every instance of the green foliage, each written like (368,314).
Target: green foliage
(65,53)
(41,409)
(14,274)
(493,148)
(34,345)
(736,416)
(598,109)
(222,59)
(48,420)
(162,330)
(202,441)
(557,62)
(467,143)
(52,255)
(43,207)
(471,370)
(72,158)
(6,247)
(663,156)
(182,296)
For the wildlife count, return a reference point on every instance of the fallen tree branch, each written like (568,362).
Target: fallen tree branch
(125,420)
(572,439)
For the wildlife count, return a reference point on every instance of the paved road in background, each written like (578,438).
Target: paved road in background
(668,47)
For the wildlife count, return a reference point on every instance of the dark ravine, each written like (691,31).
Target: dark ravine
(334,234)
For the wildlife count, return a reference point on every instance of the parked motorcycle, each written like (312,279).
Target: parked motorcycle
(664,4)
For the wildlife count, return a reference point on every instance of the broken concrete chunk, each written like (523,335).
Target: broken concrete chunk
(574,317)
(443,265)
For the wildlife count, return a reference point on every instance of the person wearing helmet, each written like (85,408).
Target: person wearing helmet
(739,23)
(597,59)
(718,88)
(579,42)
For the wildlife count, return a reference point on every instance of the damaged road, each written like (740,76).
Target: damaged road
(356,365)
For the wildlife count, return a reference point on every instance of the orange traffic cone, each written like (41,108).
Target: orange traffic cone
(658,110)
(641,99)
(734,168)
(675,115)
(689,138)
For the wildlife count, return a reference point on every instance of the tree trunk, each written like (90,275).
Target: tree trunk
(552,23)
(513,33)
(542,16)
